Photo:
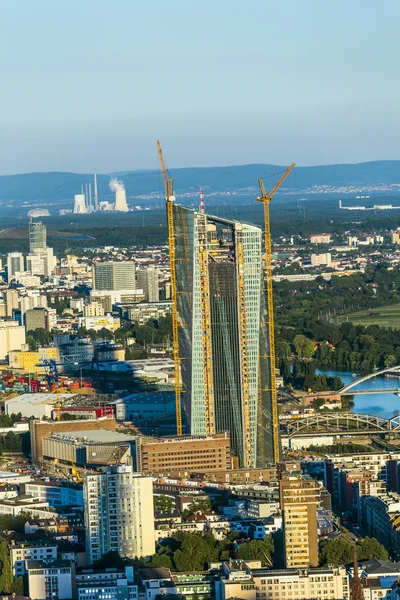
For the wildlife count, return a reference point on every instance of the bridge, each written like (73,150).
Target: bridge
(395,391)
(346,389)
(338,423)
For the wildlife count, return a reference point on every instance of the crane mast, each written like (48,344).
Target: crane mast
(266,198)
(168,185)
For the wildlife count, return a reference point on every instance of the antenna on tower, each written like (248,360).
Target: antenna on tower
(201,200)
(96,197)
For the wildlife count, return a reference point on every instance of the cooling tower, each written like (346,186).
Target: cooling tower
(120,200)
(79,204)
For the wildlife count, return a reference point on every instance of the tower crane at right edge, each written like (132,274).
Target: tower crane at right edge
(169,197)
(266,198)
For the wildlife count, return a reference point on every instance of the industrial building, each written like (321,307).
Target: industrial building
(33,405)
(147,404)
(89,448)
(119,513)
(42,429)
(180,456)
(221,309)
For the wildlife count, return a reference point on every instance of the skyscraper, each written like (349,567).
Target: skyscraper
(114,275)
(118,513)
(37,236)
(147,280)
(299,499)
(223,344)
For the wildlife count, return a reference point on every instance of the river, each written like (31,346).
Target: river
(379,405)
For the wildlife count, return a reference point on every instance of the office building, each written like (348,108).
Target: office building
(299,499)
(12,300)
(221,310)
(118,513)
(56,494)
(15,264)
(105,322)
(93,309)
(33,300)
(147,280)
(113,584)
(12,337)
(51,579)
(114,276)
(238,580)
(37,236)
(182,456)
(34,264)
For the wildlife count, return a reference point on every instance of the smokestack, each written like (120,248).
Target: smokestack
(120,195)
(90,198)
(96,198)
(87,197)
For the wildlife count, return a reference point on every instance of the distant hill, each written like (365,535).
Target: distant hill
(59,188)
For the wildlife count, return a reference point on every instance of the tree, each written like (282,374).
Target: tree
(370,548)
(304,347)
(6,576)
(336,552)
(257,550)
(18,586)
(162,503)
(161,561)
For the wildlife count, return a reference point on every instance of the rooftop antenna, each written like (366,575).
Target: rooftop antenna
(96,197)
(201,200)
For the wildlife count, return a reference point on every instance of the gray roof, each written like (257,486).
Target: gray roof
(101,436)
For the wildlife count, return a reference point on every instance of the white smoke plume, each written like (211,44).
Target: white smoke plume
(116,185)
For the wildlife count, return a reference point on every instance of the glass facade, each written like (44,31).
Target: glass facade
(37,236)
(236,359)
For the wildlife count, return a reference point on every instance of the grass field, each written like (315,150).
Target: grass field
(385,316)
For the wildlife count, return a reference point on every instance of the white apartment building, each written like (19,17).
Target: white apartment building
(321,238)
(21,552)
(118,513)
(321,259)
(107,321)
(12,337)
(51,579)
(33,300)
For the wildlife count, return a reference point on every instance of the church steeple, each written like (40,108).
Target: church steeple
(356,585)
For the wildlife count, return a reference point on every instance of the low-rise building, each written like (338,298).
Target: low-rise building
(56,494)
(118,584)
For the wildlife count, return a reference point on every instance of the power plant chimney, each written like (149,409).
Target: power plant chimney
(96,197)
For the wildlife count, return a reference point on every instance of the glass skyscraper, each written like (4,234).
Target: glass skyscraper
(37,236)
(223,342)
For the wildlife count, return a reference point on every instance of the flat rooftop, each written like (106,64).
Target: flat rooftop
(30,399)
(100,436)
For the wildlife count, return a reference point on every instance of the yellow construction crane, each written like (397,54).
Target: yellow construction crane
(169,197)
(266,198)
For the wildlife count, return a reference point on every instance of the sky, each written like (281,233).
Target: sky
(89,85)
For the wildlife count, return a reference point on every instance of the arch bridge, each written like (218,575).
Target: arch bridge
(346,389)
(338,423)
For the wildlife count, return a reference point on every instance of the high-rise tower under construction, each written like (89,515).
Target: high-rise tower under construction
(223,340)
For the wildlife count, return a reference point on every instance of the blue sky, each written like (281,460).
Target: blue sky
(89,85)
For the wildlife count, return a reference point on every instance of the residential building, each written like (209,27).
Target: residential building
(37,236)
(147,280)
(55,580)
(49,260)
(182,455)
(143,311)
(15,264)
(12,301)
(118,584)
(321,259)
(23,551)
(34,264)
(12,337)
(118,513)
(221,307)
(93,309)
(33,300)
(381,519)
(299,499)
(320,238)
(114,276)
